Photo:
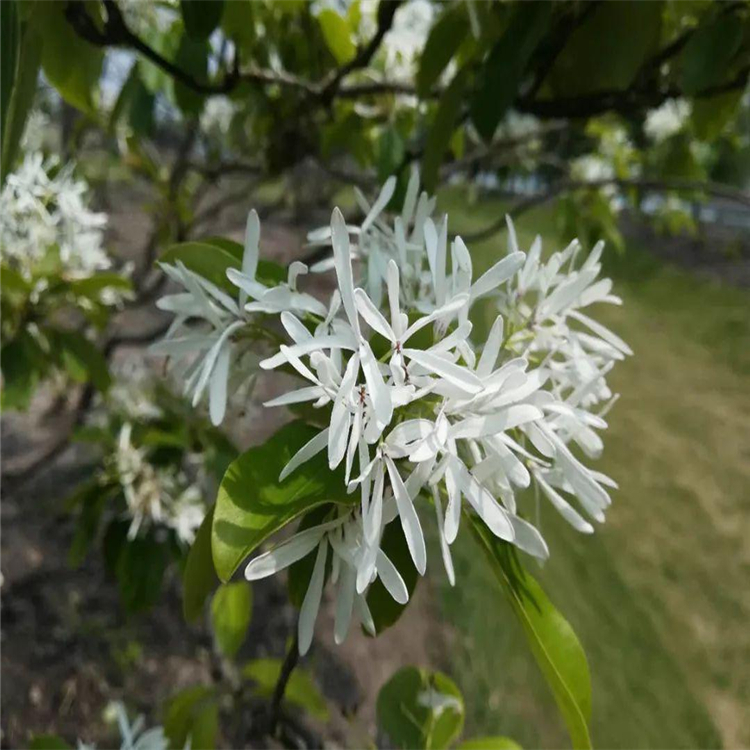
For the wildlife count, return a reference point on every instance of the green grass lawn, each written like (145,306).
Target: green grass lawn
(660,595)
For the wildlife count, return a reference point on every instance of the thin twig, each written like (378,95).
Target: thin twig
(290,662)
(566,186)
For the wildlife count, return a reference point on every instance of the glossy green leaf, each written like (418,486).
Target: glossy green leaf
(20,97)
(252,504)
(300,691)
(391,151)
(199,579)
(191,718)
(553,643)
(441,130)
(338,35)
(10,43)
(238,24)
(70,64)
(706,57)
(384,608)
(140,569)
(48,742)
(442,43)
(712,114)
(192,57)
(489,743)
(231,610)
(93,286)
(82,359)
(201,17)
(420,709)
(608,49)
(501,75)
(212,256)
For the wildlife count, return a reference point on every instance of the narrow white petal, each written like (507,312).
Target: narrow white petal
(391,579)
(343,263)
(285,554)
(528,538)
(491,349)
(338,434)
(307,451)
(409,518)
(372,316)
(564,508)
(377,389)
(460,376)
(444,548)
(448,309)
(309,393)
(500,272)
(217,397)
(344,604)
(513,416)
(311,604)
(386,193)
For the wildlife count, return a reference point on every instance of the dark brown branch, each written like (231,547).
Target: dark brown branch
(386,11)
(290,662)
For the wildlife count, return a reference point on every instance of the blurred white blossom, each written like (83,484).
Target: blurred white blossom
(667,119)
(44,206)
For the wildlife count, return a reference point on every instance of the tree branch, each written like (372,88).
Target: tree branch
(566,186)
(290,662)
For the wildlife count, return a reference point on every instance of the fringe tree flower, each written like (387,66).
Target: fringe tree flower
(416,407)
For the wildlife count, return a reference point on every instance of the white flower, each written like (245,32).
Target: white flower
(667,119)
(342,536)
(42,206)
(156,495)
(420,411)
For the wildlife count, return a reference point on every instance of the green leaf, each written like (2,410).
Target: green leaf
(384,608)
(420,709)
(300,690)
(23,363)
(489,743)
(212,256)
(553,643)
(48,742)
(706,57)
(238,23)
(81,358)
(712,114)
(191,718)
(10,43)
(391,150)
(231,610)
(93,286)
(440,133)
(71,64)
(192,57)
(503,71)
(92,500)
(606,52)
(140,569)
(442,43)
(201,17)
(252,504)
(199,578)
(338,35)
(21,96)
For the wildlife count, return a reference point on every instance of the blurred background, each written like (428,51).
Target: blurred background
(131,126)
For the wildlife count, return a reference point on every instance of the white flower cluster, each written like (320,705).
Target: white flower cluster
(420,410)
(161,496)
(42,206)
